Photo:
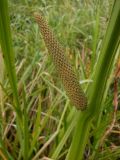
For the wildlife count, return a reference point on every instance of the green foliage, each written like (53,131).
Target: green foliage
(36,118)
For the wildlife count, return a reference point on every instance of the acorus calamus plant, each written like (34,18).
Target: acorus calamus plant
(90,105)
(97,91)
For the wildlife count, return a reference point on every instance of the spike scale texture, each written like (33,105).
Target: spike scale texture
(64,69)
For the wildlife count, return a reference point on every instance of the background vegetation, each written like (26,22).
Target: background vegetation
(37,120)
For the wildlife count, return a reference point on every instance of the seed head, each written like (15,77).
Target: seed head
(63,66)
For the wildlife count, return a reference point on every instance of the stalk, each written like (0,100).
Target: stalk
(97,92)
(9,60)
(8,53)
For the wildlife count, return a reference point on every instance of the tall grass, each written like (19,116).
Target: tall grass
(8,54)
(37,120)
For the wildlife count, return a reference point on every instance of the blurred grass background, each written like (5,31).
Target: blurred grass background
(80,27)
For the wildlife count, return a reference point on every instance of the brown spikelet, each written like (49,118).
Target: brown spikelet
(67,75)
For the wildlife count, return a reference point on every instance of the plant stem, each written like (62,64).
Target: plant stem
(99,88)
